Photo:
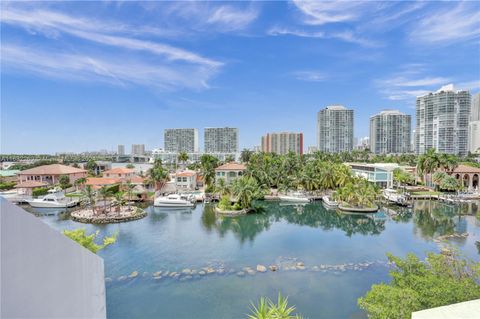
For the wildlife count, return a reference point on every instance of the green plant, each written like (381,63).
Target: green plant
(7,185)
(88,241)
(64,181)
(441,279)
(40,191)
(130,166)
(267,309)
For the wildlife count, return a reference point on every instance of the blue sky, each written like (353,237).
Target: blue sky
(79,76)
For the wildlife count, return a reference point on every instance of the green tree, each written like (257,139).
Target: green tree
(89,194)
(229,158)
(440,280)
(245,189)
(222,188)
(158,174)
(129,186)
(79,181)
(64,181)
(450,183)
(88,241)
(91,166)
(105,194)
(245,155)
(183,158)
(208,164)
(267,309)
(130,166)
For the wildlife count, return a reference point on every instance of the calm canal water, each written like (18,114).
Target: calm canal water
(343,255)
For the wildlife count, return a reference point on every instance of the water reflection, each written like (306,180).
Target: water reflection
(434,218)
(312,215)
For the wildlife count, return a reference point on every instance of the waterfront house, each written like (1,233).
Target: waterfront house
(229,172)
(186,180)
(468,176)
(99,182)
(49,174)
(120,172)
(26,188)
(380,174)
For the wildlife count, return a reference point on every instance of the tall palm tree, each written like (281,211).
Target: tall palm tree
(80,181)
(428,163)
(222,188)
(208,164)
(129,187)
(246,189)
(158,174)
(105,193)
(183,158)
(245,155)
(89,193)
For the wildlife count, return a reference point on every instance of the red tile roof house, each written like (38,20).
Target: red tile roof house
(46,175)
(120,172)
(186,179)
(229,171)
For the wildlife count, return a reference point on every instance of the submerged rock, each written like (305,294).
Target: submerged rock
(202,273)
(122,278)
(156,274)
(261,268)
(210,270)
(108,279)
(240,273)
(188,277)
(133,274)
(157,277)
(315,268)
(273,267)
(186,271)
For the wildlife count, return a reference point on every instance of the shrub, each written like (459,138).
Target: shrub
(40,191)
(7,185)
(88,241)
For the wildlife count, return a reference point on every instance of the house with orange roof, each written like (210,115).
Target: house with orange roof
(119,172)
(99,182)
(229,172)
(186,180)
(468,176)
(49,174)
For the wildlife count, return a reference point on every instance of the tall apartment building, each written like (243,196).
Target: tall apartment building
(442,121)
(335,129)
(181,140)
(221,140)
(474,125)
(138,149)
(121,150)
(283,143)
(390,132)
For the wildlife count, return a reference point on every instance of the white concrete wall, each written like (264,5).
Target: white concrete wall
(45,274)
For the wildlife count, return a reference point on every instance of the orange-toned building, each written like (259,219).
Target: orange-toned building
(119,172)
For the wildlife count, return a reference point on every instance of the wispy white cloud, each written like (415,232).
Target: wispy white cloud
(167,65)
(448,25)
(310,76)
(323,12)
(119,71)
(232,18)
(346,36)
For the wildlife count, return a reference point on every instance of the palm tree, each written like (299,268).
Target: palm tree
(428,163)
(222,188)
(90,195)
(105,193)
(158,174)
(119,199)
(208,164)
(245,155)
(183,158)
(129,187)
(246,189)
(80,181)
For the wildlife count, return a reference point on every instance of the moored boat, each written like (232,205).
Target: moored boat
(54,199)
(392,196)
(294,197)
(329,202)
(174,200)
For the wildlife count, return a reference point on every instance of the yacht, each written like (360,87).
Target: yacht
(392,196)
(329,202)
(174,200)
(294,197)
(54,199)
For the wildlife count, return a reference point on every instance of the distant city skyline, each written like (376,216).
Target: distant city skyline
(82,77)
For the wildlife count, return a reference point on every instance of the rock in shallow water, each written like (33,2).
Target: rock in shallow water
(240,274)
(273,267)
(133,274)
(261,268)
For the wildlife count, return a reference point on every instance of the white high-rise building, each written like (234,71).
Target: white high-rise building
(442,121)
(474,125)
(121,150)
(221,140)
(181,140)
(138,149)
(283,143)
(390,132)
(335,129)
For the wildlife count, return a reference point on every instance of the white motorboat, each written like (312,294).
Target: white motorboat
(329,202)
(392,196)
(294,197)
(54,199)
(174,200)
